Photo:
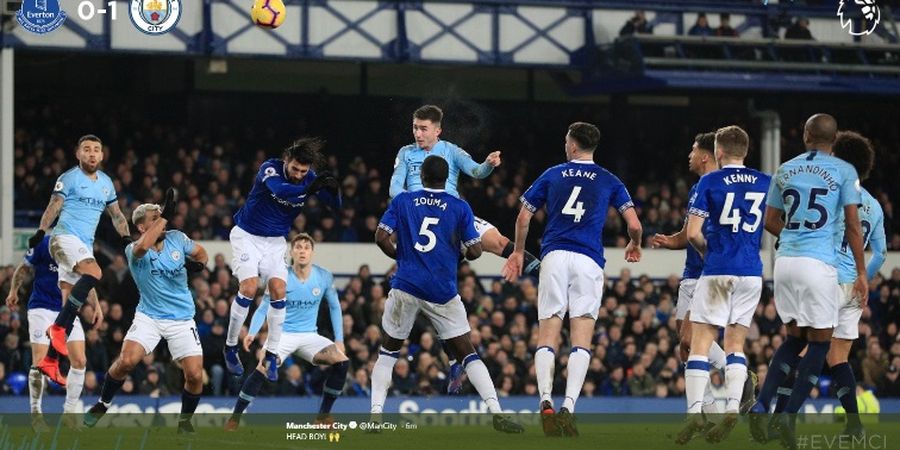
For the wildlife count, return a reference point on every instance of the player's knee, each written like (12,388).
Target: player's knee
(77,361)
(277,288)
(248,287)
(193,376)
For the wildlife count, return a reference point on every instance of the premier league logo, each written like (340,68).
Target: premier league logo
(155,16)
(868,12)
(40,16)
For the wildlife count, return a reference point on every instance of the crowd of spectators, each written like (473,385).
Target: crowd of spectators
(635,346)
(635,343)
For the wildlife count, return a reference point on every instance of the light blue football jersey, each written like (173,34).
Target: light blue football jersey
(162,280)
(731,200)
(871,217)
(813,189)
(303,299)
(409,161)
(84,201)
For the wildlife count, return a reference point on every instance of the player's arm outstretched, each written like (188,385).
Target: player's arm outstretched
(19,278)
(677,241)
(50,215)
(471,168)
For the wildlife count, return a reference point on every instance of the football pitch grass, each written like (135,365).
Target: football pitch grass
(416,431)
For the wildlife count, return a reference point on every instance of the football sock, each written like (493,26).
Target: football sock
(696,377)
(74,385)
(481,379)
(783,363)
(579,360)
(334,385)
(109,389)
(35,389)
(808,371)
(249,390)
(381,377)
(716,356)
(80,291)
(189,404)
(275,320)
(544,362)
(240,307)
(845,382)
(735,376)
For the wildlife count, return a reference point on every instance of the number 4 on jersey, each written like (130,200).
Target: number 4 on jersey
(573,207)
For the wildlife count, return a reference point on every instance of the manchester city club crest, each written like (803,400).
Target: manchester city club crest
(155,16)
(40,16)
(316,291)
(176,255)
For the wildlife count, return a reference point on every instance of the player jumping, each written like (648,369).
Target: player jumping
(307,285)
(577,195)
(731,283)
(430,225)
(159,261)
(258,243)
(813,188)
(426,131)
(79,197)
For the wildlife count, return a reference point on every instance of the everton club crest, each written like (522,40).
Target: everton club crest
(155,16)
(40,16)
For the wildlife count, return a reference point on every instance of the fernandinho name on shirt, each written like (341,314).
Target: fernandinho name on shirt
(739,178)
(568,173)
(813,169)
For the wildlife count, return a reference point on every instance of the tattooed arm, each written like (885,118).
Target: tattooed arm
(52,211)
(118,219)
(18,279)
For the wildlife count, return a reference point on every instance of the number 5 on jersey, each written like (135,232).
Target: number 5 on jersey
(424,231)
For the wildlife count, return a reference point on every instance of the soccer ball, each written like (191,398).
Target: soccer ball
(268,13)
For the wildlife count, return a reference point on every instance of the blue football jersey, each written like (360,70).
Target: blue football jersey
(731,200)
(162,280)
(429,225)
(409,161)
(813,190)
(303,299)
(693,262)
(45,292)
(871,217)
(577,195)
(274,202)
(84,201)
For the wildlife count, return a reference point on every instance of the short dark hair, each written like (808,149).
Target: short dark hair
(307,150)
(303,237)
(89,137)
(435,170)
(857,150)
(429,112)
(733,140)
(706,141)
(585,135)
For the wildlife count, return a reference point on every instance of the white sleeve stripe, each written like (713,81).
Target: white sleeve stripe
(698,212)
(626,205)
(385,228)
(472,242)
(526,204)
